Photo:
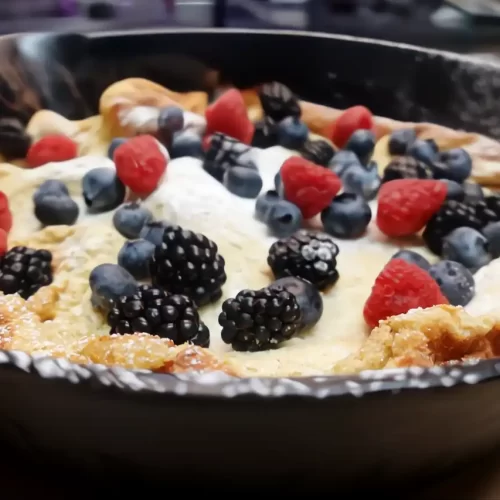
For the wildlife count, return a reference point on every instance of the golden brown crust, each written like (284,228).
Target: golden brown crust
(133,92)
(427,337)
(21,328)
(438,335)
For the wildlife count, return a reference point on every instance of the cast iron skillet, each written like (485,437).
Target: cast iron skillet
(374,428)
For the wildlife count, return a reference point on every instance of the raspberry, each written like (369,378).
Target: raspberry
(140,164)
(406,205)
(309,186)
(5,213)
(228,114)
(352,119)
(51,148)
(207,139)
(399,287)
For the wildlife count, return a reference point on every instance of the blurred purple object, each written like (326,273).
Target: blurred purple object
(68,7)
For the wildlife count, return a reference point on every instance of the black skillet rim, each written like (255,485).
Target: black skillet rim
(222,386)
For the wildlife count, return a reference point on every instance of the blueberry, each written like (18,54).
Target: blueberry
(52,187)
(108,282)
(423,151)
(347,216)
(102,190)
(134,256)
(284,218)
(440,171)
(243,181)
(186,144)
(56,210)
(118,141)
(130,218)
(455,280)
(401,140)
(412,258)
(361,180)
(170,121)
(459,164)
(433,144)
(153,231)
(455,191)
(278,185)
(292,133)
(473,192)
(362,143)
(308,298)
(467,246)
(492,234)
(264,203)
(343,160)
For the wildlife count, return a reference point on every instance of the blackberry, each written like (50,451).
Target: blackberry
(406,167)
(14,141)
(309,255)
(25,270)
(153,310)
(260,320)
(278,101)
(452,215)
(225,152)
(265,134)
(319,152)
(493,203)
(188,263)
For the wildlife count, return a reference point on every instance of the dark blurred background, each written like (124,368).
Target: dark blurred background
(459,25)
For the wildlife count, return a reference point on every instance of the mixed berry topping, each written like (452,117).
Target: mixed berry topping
(292,133)
(452,215)
(51,148)
(363,180)
(266,134)
(260,320)
(317,151)
(186,144)
(224,153)
(243,181)
(135,256)
(347,216)
(310,255)
(400,287)
(25,270)
(108,282)
(406,205)
(152,310)
(14,140)
(130,218)
(350,121)
(278,101)
(455,281)
(406,167)
(400,141)
(188,263)
(362,143)
(308,186)
(328,183)
(102,190)
(228,115)
(170,121)
(140,164)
